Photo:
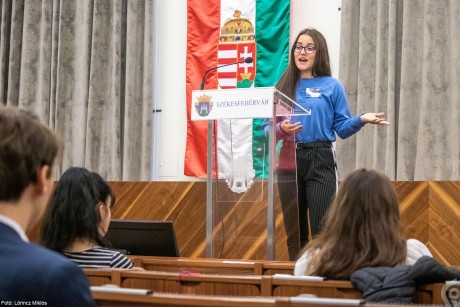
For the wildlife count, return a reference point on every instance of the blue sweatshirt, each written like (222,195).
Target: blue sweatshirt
(330,114)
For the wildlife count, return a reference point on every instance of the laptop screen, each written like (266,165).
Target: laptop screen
(146,238)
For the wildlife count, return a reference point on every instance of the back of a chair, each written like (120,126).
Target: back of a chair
(100,277)
(193,283)
(278,267)
(293,286)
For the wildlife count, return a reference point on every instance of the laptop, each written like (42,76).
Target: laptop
(146,238)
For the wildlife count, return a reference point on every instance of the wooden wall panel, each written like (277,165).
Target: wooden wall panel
(413,197)
(430,212)
(444,221)
(184,203)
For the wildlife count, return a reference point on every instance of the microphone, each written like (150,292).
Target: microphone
(247,60)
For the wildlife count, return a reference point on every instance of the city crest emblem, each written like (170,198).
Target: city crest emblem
(236,43)
(204,105)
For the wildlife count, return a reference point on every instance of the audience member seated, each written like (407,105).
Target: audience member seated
(77,219)
(362,229)
(30,273)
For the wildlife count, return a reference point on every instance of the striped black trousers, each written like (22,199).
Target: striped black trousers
(306,193)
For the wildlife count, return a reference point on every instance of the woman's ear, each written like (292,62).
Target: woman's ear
(102,211)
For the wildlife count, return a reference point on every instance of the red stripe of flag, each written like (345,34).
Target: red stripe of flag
(227,60)
(227,47)
(225,75)
(203,30)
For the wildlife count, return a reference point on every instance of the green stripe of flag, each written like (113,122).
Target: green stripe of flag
(272,37)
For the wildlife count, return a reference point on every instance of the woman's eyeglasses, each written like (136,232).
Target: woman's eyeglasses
(308,49)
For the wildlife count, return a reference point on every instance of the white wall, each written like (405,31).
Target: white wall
(323,16)
(170,125)
(170,41)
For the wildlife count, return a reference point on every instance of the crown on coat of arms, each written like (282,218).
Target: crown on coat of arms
(204,98)
(237,29)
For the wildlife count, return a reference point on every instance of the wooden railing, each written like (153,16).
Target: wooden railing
(240,285)
(111,299)
(213,266)
(183,300)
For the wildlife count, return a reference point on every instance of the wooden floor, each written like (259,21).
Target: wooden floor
(430,211)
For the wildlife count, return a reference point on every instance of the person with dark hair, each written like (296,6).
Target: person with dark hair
(78,218)
(363,229)
(308,139)
(29,272)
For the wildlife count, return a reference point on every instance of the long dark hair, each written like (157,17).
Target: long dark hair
(73,212)
(321,67)
(362,228)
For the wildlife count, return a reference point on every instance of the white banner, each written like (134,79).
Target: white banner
(232,103)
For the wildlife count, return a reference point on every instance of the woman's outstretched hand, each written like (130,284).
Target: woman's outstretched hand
(287,127)
(374,118)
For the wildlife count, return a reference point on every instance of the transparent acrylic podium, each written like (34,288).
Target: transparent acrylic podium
(250,177)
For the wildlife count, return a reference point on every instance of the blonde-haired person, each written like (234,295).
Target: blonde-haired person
(362,229)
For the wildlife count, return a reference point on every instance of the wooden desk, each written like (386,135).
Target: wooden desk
(198,265)
(181,300)
(213,266)
(175,299)
(241,285)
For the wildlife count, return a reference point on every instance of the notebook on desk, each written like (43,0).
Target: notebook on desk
(146,238)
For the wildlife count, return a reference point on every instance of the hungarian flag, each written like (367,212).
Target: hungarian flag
(223,32)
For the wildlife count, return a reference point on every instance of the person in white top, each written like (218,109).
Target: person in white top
(363,229)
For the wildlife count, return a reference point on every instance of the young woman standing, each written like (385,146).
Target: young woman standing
(307,80)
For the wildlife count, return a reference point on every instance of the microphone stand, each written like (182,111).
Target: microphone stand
(246,60)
